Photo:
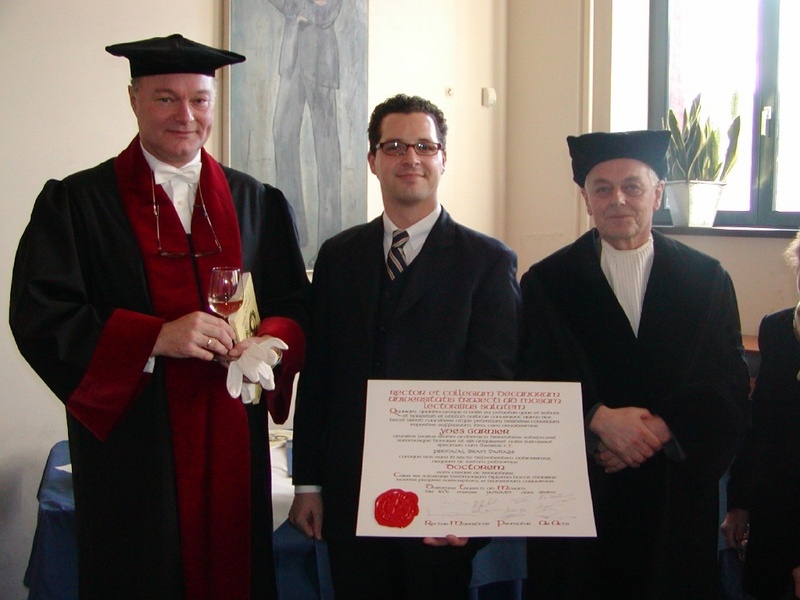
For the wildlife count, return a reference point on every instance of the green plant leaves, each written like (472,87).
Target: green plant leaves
(694,147)
(733,147)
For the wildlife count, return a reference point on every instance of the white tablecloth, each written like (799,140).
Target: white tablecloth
(282,488)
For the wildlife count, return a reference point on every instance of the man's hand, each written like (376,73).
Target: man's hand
(796,577)
(659,427)
(734,527)
(450,540)
(610,462)
(276,348)
(623,431)
(306,514)
(196,335)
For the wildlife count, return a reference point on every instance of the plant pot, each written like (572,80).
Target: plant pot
(693,203)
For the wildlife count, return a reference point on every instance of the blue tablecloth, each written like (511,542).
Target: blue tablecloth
(53,566)
(301,564)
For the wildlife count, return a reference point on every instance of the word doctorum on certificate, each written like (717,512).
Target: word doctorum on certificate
(474,459)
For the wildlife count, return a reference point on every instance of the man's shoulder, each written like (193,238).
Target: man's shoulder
(354,237)
(247,190)
(777,320)
(566,257)
(99,173)
(683,256)
(480,239)
(232,174)
(94,183)
(241,179)
(476,241)
(347,248)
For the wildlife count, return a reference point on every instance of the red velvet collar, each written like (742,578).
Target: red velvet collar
(173,283)
(210,434)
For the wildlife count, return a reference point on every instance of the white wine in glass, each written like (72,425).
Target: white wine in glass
(224,298)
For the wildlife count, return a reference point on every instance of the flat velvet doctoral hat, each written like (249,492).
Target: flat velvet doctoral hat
(173,54)
(589,150)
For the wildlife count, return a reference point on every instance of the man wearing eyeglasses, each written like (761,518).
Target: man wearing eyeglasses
(650,328)
(410,295)
(109,306)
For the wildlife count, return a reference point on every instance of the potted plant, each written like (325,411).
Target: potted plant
(696,174)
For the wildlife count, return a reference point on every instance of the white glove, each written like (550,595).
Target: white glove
(251,393)
(255,364)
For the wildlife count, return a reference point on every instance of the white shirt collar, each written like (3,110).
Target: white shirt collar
(417,233)
(155,163)
(182,197)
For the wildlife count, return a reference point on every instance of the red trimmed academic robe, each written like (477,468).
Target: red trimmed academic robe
(171,474)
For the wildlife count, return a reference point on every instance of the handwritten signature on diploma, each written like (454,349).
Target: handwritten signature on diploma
(550,506)
(547,506)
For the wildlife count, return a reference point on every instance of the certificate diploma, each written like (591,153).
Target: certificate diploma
(474,459)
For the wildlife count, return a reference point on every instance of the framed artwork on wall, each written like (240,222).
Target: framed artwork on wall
(297,115)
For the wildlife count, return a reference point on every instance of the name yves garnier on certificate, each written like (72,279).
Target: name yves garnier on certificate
(474,459)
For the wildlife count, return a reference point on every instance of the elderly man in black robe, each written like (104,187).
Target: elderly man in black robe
(108,304)
(651,329)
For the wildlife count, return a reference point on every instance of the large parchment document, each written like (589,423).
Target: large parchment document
(474,459)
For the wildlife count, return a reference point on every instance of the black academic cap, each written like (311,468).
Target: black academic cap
(173,54)
(589,150)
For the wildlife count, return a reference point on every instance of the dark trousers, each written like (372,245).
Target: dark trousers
(399,569)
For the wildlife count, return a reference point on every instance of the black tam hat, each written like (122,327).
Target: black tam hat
(173,54)
(589,150)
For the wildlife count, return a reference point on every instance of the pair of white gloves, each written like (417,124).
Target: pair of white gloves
(254,369)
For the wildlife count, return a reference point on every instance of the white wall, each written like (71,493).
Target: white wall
(545,86)
(446,51)
(65,108)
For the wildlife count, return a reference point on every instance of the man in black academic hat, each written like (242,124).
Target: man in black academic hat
(650,327)
(108,305)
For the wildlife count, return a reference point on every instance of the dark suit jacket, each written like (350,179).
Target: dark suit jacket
(457,319)
(765,478)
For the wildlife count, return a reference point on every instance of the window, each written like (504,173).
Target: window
(736,55)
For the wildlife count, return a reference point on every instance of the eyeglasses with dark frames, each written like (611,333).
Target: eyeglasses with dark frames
(398,148)
(201,206)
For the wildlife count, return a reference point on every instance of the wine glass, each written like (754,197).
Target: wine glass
(223,291)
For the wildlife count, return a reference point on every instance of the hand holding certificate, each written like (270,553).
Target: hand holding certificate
(474,458)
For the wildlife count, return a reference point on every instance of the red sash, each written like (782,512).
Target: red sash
(209,428)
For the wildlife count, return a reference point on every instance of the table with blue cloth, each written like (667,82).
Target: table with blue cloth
(53,566)
(301,563)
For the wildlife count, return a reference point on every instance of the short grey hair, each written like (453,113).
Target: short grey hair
(792,252)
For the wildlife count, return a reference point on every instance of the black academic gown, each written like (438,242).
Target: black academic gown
(765,477)
(79,274)
(656,524)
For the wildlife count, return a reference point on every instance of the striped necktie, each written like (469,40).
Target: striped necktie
(396,261)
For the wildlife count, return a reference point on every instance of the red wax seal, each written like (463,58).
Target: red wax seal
(396,508)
